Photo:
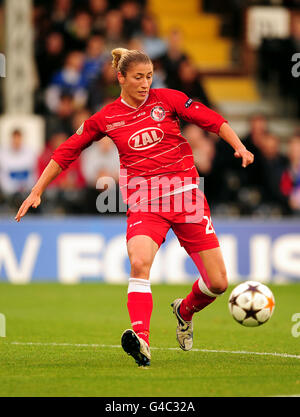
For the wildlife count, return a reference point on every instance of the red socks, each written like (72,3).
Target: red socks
(140,305)
(200,296)
(195,301)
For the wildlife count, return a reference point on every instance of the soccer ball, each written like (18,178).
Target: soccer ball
(251,303)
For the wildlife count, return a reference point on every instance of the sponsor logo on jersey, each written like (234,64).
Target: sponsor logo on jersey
(188,103)
(79,131)
(116,124)
(145,138)
(139,115)
(158,113)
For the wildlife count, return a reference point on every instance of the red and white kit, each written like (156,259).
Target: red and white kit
(154,158)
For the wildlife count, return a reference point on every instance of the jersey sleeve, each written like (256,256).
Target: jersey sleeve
(91,130)
(193,111)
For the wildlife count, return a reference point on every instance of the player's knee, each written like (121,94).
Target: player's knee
(139,267)
(220,283)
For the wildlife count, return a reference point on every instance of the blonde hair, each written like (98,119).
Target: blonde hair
(123,58)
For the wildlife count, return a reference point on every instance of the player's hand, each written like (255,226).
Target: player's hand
(33,200)
(247,157)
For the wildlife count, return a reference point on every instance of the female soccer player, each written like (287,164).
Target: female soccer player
(156,167)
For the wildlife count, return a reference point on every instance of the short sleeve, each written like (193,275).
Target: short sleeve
(90,131)
(193,111)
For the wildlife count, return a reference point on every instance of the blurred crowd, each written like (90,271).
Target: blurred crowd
(276,59)
(74,79)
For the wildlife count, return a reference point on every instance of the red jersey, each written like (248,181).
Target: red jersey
(148,139)
(73,176)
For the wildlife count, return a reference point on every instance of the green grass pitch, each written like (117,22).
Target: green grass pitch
(65,341)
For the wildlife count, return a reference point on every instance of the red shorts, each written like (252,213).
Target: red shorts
(191,222)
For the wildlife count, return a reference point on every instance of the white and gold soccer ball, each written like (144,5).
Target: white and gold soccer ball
(251,303)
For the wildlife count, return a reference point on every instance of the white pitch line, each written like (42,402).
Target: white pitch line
(232,352)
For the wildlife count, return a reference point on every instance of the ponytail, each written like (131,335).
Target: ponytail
(117,54)
(123,58)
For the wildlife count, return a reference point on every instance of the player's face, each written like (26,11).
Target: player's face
(136,84)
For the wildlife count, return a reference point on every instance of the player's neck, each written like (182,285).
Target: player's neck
(130,102)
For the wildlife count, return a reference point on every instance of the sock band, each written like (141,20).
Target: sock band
(139,285)
(203,288)
(195,301)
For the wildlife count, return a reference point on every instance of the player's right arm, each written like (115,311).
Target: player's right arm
(51,171)
(90,131)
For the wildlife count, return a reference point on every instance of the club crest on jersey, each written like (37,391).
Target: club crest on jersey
(158,113)
(145,138)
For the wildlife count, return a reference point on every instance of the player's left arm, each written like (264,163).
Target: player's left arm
(229,135)
(194,112)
